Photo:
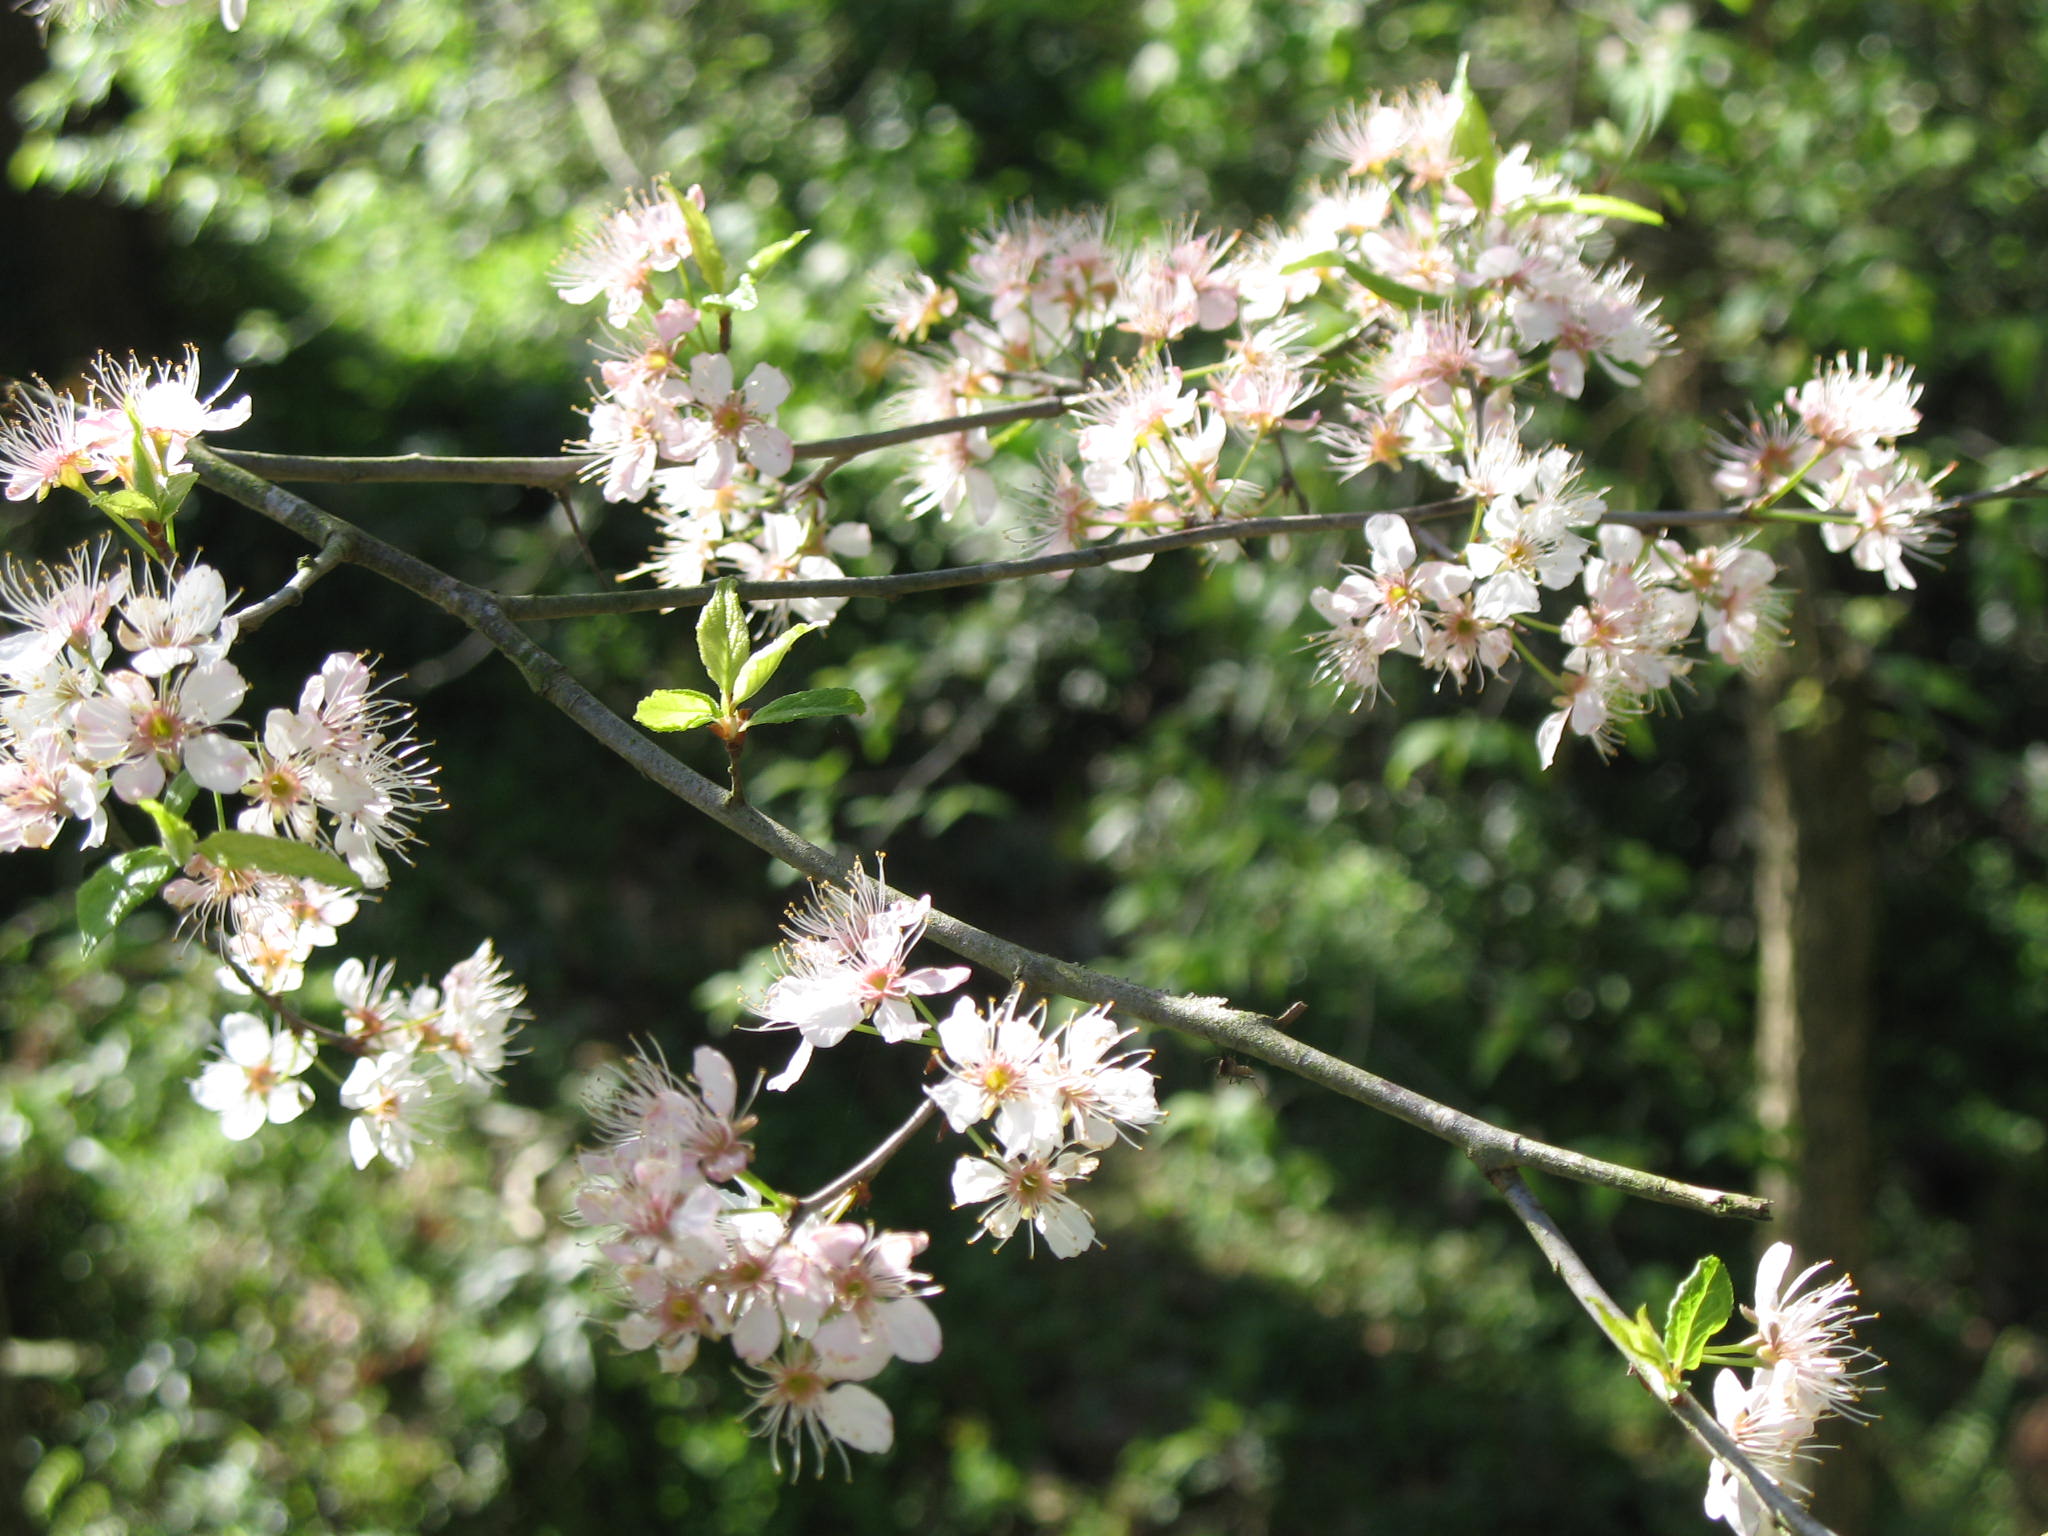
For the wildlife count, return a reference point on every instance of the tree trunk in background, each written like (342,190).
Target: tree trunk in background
(1816,903)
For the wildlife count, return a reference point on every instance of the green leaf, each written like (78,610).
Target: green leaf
(722,638)
(1393,292)
(1700,1308)
(1319,259)
(1386,287)
(279,856)
(1472,139)
(808,705)
(676,709)
(1595,205)
(143,463)
(176,489)
(763,663)
(178,798)
(742,298)
(117,888)
(173,830)
(704,245)
(769,255)
(126,504)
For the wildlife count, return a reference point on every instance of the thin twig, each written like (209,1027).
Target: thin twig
(1233,1029)
(568,506)
(310,569)
(868,1166)
(576,605)
(661,600)
(1703,1426)
(562,470)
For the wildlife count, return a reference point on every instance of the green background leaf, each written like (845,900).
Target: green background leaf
(809,704)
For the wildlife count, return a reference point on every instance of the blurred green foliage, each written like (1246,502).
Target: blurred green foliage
(1304,1319)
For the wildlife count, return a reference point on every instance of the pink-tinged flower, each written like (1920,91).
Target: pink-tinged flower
(386,1092)
(1893,512)
(1744,613)
(170,629)
(1031,1192)
(1770,1437)
(877,1314)
(1101,1093)
(1260,400)
(912,305)
(741,421)
(1591,705)
(698,1126)
(1464,642)
(1063,515)
(949,472)
(847,960)
(1762,456)
(996,1066)
(345,751)
(1270,278)
(647,355)
(1164,293)
(372,1014)
(41,787)
(773,1288)
(1598,318)
(147,730)
(633,431)
(257,1078)
(1385,439)
(59,610)
(1813,1365)
(804,1400)
(618,260)
(1384,609)
(164,399)
(674,1306)
(1366,135)
(785,549)
(46,444)
(1411,248)
(1142,409)
(1847,405)
(479,1013)
(1430,356)
(266,946)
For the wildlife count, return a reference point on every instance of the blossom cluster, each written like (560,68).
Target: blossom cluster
(131,427)
(339,773)
(1399,320)
(411,1046)
(1811,1368)
(1835,439)
(669,397)
(117,683)
(1052,1099)
(812,1307)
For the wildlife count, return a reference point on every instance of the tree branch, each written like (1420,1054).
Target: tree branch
(1237,1030)
(1701,1425)
(559,471)
(573,605)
